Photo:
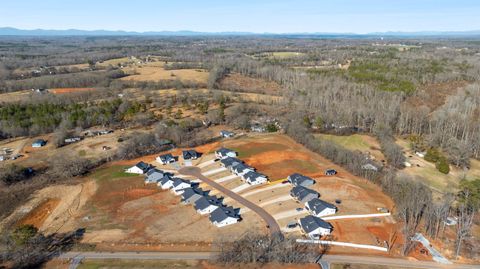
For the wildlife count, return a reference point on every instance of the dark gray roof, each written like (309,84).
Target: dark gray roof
(317,205)
(177,181)
(206,201)
(167,157)
(154,175)
(252,175)
(143,166)
(189,154)
(300,180)
(223,213)
(165,179)
(225,132)
(227,162)
(303,194)
(242,167)
(191,195)
(311,223)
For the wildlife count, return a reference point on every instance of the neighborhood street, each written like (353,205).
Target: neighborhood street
(269,220)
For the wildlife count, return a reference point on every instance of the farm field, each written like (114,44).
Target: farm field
(363,143)
(154,71)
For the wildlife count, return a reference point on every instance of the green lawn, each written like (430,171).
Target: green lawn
(351,142)
(111,173)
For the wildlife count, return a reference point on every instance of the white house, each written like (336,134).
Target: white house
(223,153)
(224,216)
(226,134)
(166,182)
(320,208)
(179,185)
(140,168)
(207,204)
(165,159)
(254,178)
(315,227)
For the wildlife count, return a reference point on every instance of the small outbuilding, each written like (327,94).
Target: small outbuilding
(39,143)
(330,172)
(226,134)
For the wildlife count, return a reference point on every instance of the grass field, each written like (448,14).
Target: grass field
(363,143)
(428,174)
(154,71)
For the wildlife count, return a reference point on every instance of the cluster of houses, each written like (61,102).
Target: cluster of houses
(237,167)
(191,194)
(312,225)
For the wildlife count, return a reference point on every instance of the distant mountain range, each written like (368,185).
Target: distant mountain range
(9,31)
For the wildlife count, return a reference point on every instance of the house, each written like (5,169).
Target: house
(179,185)
(207,204)
(166,182)
(224,216)
(300,180)
(370,167)
(165,159)
(39,143)
(104,132)
(2,158)
(154,175)
(223,153)
(191,195)
(226,134)
(241,169)
(254,178)
(303,194)
(315,227)
(230,162)
(320,208)
(190,154)
(257,128)
(140,168)
(330,172)
(421,154)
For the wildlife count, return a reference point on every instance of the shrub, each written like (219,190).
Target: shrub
(442,165)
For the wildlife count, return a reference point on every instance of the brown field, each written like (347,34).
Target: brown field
(39,214)
(434,95)
(241,83)
(154,72)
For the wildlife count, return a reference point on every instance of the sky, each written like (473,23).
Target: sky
(280,16)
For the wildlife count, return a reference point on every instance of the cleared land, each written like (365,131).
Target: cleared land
(427,173)
(363,143)
(154,71)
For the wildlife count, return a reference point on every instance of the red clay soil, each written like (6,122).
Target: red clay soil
(38,215)
(70,90)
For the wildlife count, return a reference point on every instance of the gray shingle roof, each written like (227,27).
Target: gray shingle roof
(206,201)
(143,166)
(167,157)
(300,180)
(241,167)
(252,175)
(224,151)
(165,179)
(311,223)
(316,205)
(154,175)
(189,154)
(223,213)
(191,195)
(230,161)
(303,194)
(177,181)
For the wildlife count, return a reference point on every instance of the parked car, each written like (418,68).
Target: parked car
(299,209)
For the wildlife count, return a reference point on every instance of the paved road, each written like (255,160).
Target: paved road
(269,220)
(397,262)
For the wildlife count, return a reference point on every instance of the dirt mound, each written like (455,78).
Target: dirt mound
(37,216)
